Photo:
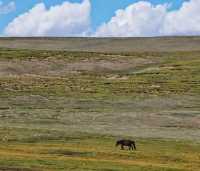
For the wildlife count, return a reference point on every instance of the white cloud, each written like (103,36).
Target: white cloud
(73,19)
(145,19)
(7,8)
(67,19)
(184,21)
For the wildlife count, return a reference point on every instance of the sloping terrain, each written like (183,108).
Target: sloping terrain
(91,92)
(63,107)
(158,44)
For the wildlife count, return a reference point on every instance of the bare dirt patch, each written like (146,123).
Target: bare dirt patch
(72,153)
(54,67)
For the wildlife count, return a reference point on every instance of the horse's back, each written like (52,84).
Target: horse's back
(126,142)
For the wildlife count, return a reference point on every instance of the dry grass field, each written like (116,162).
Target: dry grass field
(64,103)
(159,44)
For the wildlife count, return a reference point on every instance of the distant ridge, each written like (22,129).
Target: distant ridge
(155,44)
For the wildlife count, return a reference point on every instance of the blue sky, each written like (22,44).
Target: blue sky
(101,10)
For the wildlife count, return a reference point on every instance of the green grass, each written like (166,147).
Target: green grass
(81,151)
(166,73)
(64,110)
(140,91)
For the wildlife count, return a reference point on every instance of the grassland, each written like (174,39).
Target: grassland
(64,108)
(118,45)
(91,152)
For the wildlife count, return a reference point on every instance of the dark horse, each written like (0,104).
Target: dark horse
(130,144)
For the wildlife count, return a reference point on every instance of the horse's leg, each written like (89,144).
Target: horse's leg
(122,147)
(132,147)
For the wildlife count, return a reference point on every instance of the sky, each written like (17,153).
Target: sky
(99,18)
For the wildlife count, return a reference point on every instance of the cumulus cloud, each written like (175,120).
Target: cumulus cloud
(67,19)
(138,19)
(7,8)
(145,19)
(184,21)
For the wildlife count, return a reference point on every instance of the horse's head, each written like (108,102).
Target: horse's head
(117,143)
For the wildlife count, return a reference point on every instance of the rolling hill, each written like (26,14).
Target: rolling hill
(56,91)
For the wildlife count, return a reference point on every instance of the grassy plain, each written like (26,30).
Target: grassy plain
(53,150)
(63,109)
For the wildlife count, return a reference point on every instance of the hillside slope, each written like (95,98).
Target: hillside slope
(143,94)
(63,108)
(159,44)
